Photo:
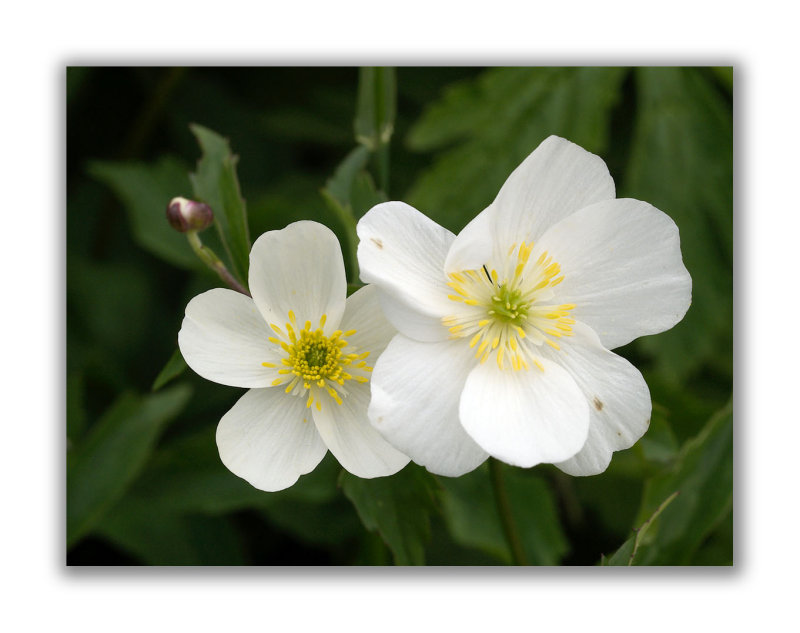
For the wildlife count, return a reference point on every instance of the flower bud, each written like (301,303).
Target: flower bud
(189,215)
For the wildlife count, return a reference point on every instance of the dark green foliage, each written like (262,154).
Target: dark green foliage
(144,478)
(398,507)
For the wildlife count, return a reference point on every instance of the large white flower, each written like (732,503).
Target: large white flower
(305,352)
(505,329)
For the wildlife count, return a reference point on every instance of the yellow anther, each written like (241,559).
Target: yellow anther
(268,364)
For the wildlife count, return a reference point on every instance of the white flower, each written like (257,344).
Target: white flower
(504,330)
(305,352)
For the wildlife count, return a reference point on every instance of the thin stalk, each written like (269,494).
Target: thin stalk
(382,156)
(210,259)
(504,511)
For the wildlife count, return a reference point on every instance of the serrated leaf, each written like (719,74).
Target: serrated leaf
(498,119)
(175,367)
(113,453)
(470,512)
(376,109)
(145,191)
(681,161)
(215,182)
(397,507)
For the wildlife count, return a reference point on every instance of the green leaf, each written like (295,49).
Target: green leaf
(76,407)
(626,554)
(113,453)
(332,523)
(659,443)
(398,507)
(165,538)
(470,512)
(340,185)
(364,194)
(484,128)
(681,161)
(376,109)
(703,474)
(145,191)
(215,183)
(186,475)
(347,194)
(175,367)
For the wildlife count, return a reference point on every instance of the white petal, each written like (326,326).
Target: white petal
(618,397)
(525,418)
(346,431)
(299,268)
(622,267)
(223,338)
(473,246)
(556,180)
(269,439)
(363,314)
(415,393)
(402,252)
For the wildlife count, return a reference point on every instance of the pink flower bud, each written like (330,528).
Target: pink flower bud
(189,215)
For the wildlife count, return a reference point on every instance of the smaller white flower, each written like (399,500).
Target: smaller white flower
(304,350)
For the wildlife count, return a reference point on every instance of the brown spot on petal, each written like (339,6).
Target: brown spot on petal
(598,404)
(377,242)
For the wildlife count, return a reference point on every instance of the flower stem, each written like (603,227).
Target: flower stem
(210,259)
(504,510)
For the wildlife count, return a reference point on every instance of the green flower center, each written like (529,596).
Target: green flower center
(508,305)
(314,356)
(314,363)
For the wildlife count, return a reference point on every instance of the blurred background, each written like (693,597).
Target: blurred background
(144,480)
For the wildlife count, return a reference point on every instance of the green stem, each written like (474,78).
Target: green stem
(383,166)
(210,259)
(504,510)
